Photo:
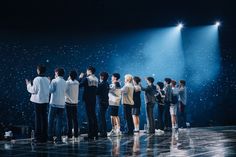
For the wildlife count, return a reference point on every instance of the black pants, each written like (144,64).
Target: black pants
(167,118)
(103,124)
(90,107)
(41,122)
(150,117)
(128,118)
(182,115)
(160,117)
(72,119)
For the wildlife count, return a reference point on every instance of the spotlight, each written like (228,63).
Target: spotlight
(217,23)
(180,26)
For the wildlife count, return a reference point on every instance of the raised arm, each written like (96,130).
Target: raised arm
(33,89)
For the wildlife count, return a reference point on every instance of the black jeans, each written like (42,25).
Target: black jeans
(41,122)
(90,107)
(128,118)
(103,124)
(72,119)
(150,117)
(167,118)
(182,115)
(160,117)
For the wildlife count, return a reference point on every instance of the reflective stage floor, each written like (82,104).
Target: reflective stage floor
(211,141)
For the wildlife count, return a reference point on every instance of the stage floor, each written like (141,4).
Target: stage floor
(210,141)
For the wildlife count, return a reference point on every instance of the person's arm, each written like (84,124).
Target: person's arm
(67,89)
(124,89)
(52,87)
(143,88)
(82,80)
(33,89)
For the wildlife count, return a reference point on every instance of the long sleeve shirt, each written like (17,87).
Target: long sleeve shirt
(72,91)
(58,91)
(127,94)
(150,92)
(39,90)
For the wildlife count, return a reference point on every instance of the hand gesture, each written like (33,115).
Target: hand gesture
(81,75)
(27,82)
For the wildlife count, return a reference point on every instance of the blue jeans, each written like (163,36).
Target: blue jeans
(150,117)
(55,122)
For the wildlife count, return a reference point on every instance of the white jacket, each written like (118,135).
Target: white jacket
(72,91)
(58,92)
(39,90)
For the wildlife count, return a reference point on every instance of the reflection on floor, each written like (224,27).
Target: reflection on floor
(211,141)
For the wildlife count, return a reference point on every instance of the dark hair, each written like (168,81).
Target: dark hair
(117,84)
(116,75)
(73,75)
(92,69)
(137,79)
(104,75)
(173,82)
(41,69)
(60,71)
(182,82)
(150,79)
(168,80)
(160,84)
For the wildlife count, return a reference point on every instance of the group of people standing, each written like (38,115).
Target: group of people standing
(64,101)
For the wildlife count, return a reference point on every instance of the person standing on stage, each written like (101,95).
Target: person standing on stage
(114,103)
(72,94)
(57,105)
(40,97)
(150,92)
(90,85)
(127,100)
(168,99)
(102,95)
(137,103)
(182,103)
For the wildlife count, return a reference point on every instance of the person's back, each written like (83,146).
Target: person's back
(40,93)
(102,92)
(136,95)
(127,94)
(72,91)
(182,95)
(90,88)
(114,95)
(58,89)
(150,94)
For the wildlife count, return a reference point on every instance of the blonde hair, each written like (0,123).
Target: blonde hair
(128,78)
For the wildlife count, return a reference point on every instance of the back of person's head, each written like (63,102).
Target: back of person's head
(116,75)
(117,85)
(128,78)
(160,84)
(41,69)
(137,79)
(150,79)
(73,75)
(183,82)
(60,71)
(173,82)
(168,80)
(92,69)
(104,75)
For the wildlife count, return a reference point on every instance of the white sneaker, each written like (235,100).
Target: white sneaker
(159,131)
(118,133)
(111,133)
